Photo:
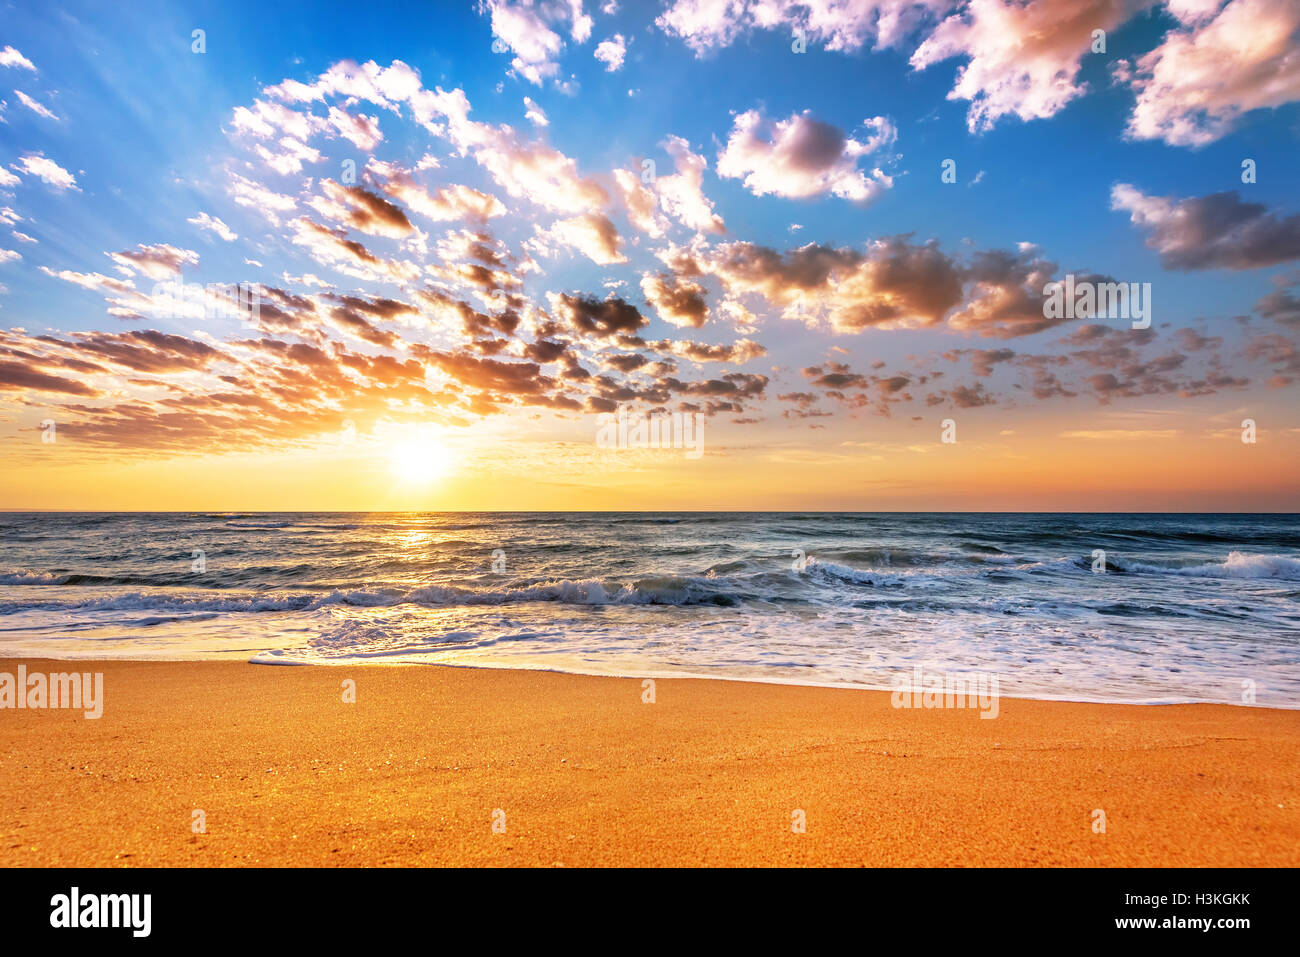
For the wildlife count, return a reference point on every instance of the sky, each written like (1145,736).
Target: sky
(407,256)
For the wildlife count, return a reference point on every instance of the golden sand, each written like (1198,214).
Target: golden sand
(584,773)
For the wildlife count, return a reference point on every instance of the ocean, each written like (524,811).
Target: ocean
(1180,607)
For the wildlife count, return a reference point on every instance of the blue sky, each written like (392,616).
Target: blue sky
(150,131)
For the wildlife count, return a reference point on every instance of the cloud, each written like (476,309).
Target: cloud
(47,170)
(582,23)
(538,173)
(680,302)
(1282,305)
(1218,231)
(362,210)
(254,195)
(534,113)
(447,203)
(11,57)
(843,25)
(738,352)
(1195,85)
(204,221)
(359,130)
(37,108)
(893,284)
(333,248)
(161,261)
(681,195)
(148,350)
(1004,296)
(609,317)
(120,292)
(1023,58)
(611,53)
(525,170)
(264,118)
(254,393)
(592,234)
(535,46)
(641,203)
(294,154)
(20,376)
(801,157)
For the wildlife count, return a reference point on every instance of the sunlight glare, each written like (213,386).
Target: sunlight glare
(420,460)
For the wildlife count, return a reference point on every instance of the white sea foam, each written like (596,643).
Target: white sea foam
(32,578)
(1237,565)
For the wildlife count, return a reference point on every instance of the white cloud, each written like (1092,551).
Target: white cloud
(263,118)
(611,52)
(359,130)
(291,160)
(534,113)
(37,108)
(526,170)
(591,234)
(1194,86)
(801,157)
(843,25)
(582,23)
(536,47)
(681,195)
(160,261)
(11,57)
(46,170)
(1024,58)
(204,221)
(641,203)
(452,202)
(245,192)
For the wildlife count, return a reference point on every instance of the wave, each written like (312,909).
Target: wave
(33,578)
(1237,565)
(857,576)
(590,591)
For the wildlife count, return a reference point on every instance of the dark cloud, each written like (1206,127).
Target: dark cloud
(1218,231)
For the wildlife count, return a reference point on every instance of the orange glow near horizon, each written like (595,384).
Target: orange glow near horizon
(900,467)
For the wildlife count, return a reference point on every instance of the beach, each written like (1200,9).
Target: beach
(475,766)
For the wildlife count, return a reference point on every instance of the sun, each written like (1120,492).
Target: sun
(420,460)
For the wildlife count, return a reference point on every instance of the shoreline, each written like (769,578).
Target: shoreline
(381,662)
(585,773)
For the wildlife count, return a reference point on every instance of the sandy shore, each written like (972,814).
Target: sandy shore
(286,773)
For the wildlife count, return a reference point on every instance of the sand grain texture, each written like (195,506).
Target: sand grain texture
(587,774)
